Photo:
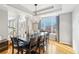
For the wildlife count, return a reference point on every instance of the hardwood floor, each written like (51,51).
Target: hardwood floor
(59,48)
(53,48)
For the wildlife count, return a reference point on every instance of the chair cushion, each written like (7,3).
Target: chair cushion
(22,44)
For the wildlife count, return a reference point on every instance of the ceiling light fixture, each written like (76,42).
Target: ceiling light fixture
(35,9)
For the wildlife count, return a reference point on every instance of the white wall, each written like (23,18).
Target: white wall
(65,28)
(3,22)
(75,20)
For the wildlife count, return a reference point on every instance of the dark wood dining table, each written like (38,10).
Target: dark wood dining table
(33,35)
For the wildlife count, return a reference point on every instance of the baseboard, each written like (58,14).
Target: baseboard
(65,43)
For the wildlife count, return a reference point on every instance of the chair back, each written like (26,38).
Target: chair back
(40,39)
(33,42)
(14,41)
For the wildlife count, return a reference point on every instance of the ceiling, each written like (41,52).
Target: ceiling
(44,9)
(31,7)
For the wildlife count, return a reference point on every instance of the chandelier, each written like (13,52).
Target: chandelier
(35,17)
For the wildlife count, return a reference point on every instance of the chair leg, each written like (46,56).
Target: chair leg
(36,49)
(43,50)
(21,51)
(39,50)
(18,51)
(43,47)
(27,51)
(12,50)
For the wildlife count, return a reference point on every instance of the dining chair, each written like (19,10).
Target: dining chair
(18,44)
(41,43)
(33,45)
(46,41)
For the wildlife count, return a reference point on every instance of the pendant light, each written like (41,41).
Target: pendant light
(35,9)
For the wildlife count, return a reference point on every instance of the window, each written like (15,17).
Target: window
(48,24)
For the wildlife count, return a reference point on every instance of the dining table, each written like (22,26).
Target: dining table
(36,34)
